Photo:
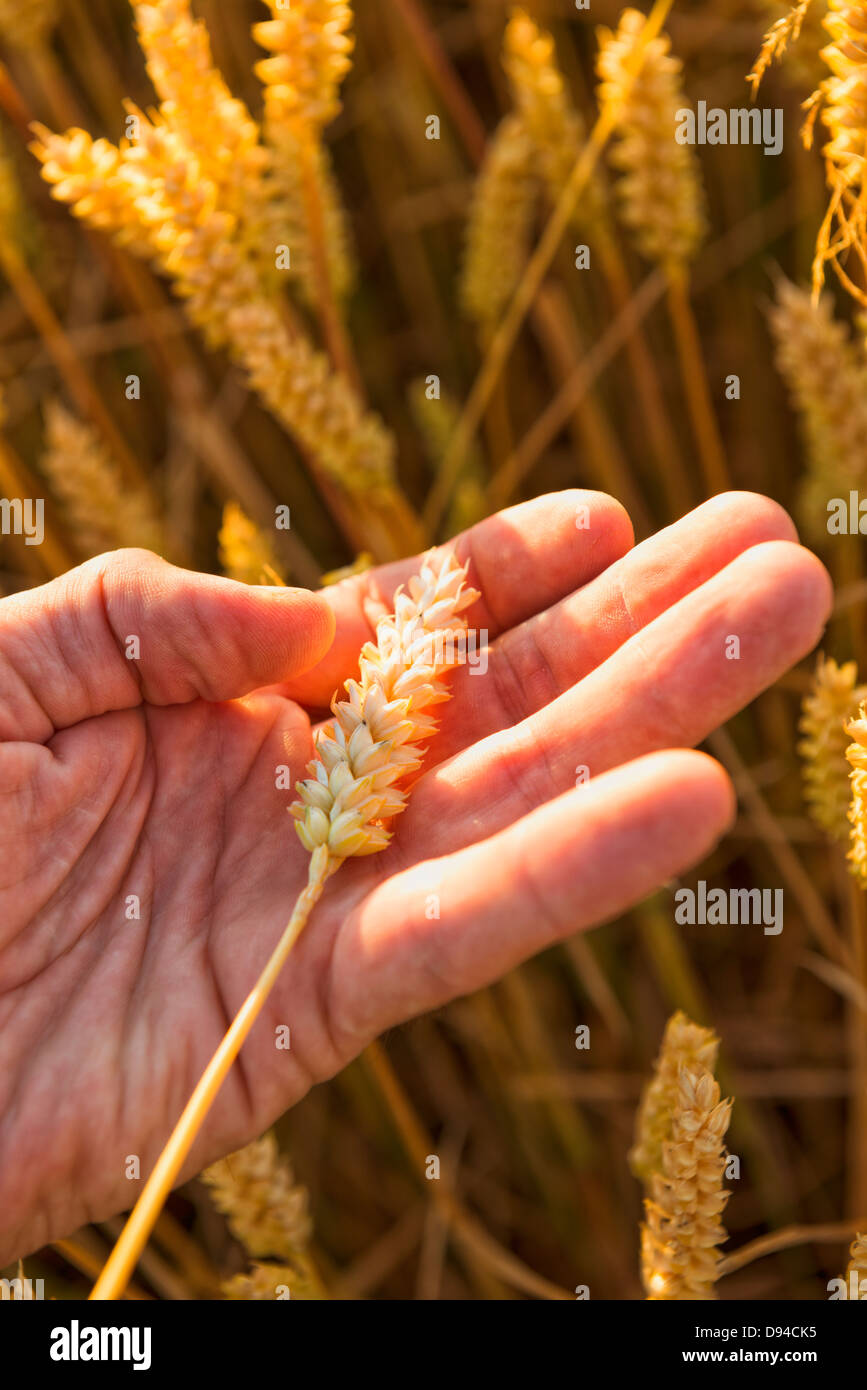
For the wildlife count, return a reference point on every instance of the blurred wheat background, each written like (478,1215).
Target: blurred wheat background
(170,377)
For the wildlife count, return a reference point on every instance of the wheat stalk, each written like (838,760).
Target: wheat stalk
(832,699)
(684,1043)
(344,810)
(682,1226)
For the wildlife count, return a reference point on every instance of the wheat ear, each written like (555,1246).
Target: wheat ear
(684,1043)
(343,811)
(857,1265)
(498,230)
(842,97)
(102,511)
(660,191)
(833,698)
(540,97)
(857,756)
(682,1226)
(789,20)
(825,371)
(269,1214)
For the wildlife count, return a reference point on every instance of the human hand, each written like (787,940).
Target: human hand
(156,778)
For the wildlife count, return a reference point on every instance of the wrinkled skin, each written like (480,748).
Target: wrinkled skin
(157,777)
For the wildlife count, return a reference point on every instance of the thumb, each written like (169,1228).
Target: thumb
(127,628)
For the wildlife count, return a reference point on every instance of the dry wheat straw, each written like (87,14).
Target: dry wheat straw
(826,373)
(660,190)
(684,1043)
(102,511)
(683,1226)
(345,809)
(501,219)
(540,98)
(246,551)
(833,698)
(857,756)
(843,100)
(856,1269)
(27,23)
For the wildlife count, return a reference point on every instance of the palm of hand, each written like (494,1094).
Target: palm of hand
(147,864)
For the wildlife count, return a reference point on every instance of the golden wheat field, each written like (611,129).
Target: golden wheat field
(513,333)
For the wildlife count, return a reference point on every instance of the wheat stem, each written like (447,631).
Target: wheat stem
(137,1230)
(694,375)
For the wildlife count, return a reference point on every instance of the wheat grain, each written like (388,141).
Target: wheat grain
(833,698)
(684,1043)
(659,190)
(682,1226)
(501,218)
(102,511)
(540,98)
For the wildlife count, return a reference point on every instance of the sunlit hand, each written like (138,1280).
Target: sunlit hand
(148,864)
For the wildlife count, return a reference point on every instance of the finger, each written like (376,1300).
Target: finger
(669,685)
(522,560)
(580,860)
(127,627)
(539,659)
